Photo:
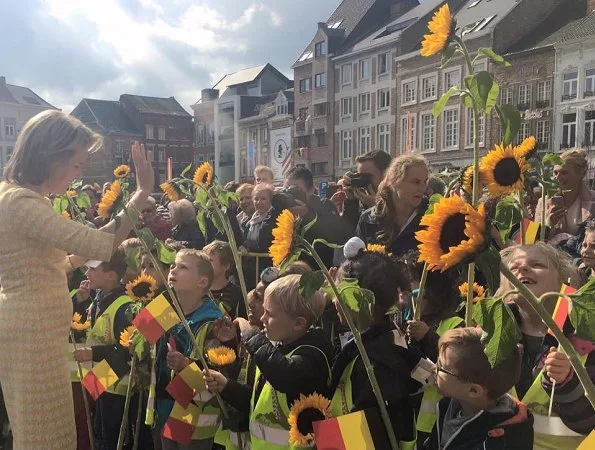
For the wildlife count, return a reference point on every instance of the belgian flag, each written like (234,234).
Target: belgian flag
(532,230)
(181,422)
(562,308)
(356,431)
(155,319)
(185,384)
(106,373)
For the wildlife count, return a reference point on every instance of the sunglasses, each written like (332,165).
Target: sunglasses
(439,369)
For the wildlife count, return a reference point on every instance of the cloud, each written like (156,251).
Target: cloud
(68,50)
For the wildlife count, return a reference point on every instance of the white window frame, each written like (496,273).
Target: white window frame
(589,139)
(405,135)
(569,125)
(161,135)
(346,101)
(525,94)
(150,132)
(455,69)
(590,78)
(544,91)
(383,137)
(362,64)
(456,129)
(349,68)
(379,95)
(543,132)
(422,129)
(572,84)
(388,56)
(469,129)
(322,76)
(507,95)
(360,103)
(524,131)
(404,90)
(364,138)
(422,93)
(346,138)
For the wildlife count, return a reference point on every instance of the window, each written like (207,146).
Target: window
(306,85)
(544,93)
(320,138)
(429,87)
(569,130)
(346,145)
(161,133)
(303,113)
(450,130)
(306,55)
(161,154)
(364,103)
(543,134)
(409,92)
(320,109)
(524,132)
(471,130)
(346,73)
(589,128)
(524,97)
(319,80)
(507,96)
(319,49)
(9,153)
(473,4)
(570,86)
(10,127)
(408,133)
(264,135)
(320,168)
(383,99)
(452,78)
(383,138)
(590,83)
(210,132)
(428,132)
(282,109)
(364,69)
(346,106)
(149,131)
(335,24)
(383,63)
(364,140)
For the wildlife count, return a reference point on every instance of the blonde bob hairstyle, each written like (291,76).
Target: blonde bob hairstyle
(49,138)
(182,211)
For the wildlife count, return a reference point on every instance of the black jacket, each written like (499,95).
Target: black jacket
(305,372)
(369,226)
(508,426)
(392,365)
(189,235)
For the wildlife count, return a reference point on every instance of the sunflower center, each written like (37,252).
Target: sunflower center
(507,172)
(305,419)
(141,290)
(453,232)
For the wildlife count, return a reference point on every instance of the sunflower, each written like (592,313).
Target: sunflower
(122,171)
(77,325)
(377,248)
(441,29)
(221,356)
(503,169)
(527,148)
(171,191)
(65,214)
(126,336)
(283,236)
(302,414)
(76,317)
(479,291)
(142,288)
(466,180)
(204,175)
(454,231)
(109,199)
(71,193)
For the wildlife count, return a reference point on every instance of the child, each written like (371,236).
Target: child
(148,267)
(190,276)
(224,292)
(108,320)
(298,365)
(479,413)
(386,346)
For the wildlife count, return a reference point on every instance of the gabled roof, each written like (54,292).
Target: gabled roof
(106,114)
(289,95)
(247,76)
(577,29)
(155,105)
(484,13)
(22,96)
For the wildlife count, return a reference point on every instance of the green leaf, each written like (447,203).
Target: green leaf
(488,262)
(361,301)
(202,222)
(434,198)
(57,205)
(582,313)
(343,284)
(201,197)
(186,169)
(310,282)
(510,120)
(508,214)
(166,255)
(64,204)
(495,57)
(441,103)
(327,243)
(501,333)
(216,219)
(132,215)
(83,201)
(309,225)
(483,89)
(133,259)
(552,159)
(76,184)
(448,53)
(147,236)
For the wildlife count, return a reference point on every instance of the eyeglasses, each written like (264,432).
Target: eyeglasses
(439,369)
(146,211)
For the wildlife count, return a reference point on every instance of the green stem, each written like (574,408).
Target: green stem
(85,398)
(469,307)
(570,351)
(360,346)
(542,230)
(124,423)
(522,224)
(420,293)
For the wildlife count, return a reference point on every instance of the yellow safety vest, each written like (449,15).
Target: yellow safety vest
(342,402)
(427,416)
(103,333)
(269,429)
(549,432)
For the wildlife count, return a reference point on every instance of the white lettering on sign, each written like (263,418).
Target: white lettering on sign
(529,115)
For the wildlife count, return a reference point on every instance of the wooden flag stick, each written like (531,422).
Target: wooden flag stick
(85,399)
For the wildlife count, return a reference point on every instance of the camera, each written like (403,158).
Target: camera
(360,180)
(288,198)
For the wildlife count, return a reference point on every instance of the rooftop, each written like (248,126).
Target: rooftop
(577,29)
(155,105)
(21,95)
(109,115)
(240,77)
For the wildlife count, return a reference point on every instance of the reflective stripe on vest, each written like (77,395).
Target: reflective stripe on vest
(269,429)
(231,439)
(550,432)
(426,418)
(208,422)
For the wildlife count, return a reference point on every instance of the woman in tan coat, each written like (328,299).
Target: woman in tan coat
(37,249)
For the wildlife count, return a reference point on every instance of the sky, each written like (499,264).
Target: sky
(66,50)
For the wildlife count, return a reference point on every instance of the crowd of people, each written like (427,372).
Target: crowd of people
(440,390)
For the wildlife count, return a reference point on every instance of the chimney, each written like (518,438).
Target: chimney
(590,6)
(2,81)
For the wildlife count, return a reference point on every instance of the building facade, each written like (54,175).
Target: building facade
(17,105)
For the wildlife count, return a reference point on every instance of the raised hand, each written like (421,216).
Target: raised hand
(145,177)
